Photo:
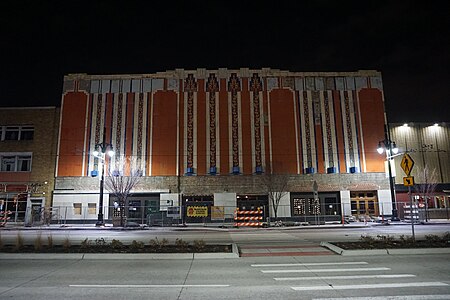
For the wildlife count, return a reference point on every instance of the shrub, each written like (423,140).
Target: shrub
(432,238)
(66,244)
(85,245)
(367,239)
(386,239)
(50,241)
(19,241)
(136,246)
(182,245)
(199,245)
(116,245)
(406,241)
(100,242)
(38,242)
(159,244)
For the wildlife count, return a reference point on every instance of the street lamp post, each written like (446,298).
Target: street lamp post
(103,147)
(391,148)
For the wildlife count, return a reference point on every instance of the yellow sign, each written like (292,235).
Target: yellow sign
(217,212)
(408,181)
(197,211)
(407,164)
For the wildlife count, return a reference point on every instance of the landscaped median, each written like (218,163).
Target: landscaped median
(124,256)
(387,245)
(115,249)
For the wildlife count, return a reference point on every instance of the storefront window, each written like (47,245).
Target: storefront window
(441,202)
(77,208)
(299,206)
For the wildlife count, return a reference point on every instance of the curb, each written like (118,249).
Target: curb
(406,251)
(123,256)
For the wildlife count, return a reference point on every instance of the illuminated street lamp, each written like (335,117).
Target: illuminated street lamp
(100,152)
(391,149)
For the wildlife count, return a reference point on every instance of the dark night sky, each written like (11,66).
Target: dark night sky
(408,41)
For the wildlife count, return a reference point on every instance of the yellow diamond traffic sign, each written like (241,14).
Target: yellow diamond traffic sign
(407,164)
(408,181)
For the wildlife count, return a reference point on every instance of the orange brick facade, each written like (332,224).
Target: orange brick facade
(217,122)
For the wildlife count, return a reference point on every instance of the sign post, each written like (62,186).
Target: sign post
(407,165)
(316,202)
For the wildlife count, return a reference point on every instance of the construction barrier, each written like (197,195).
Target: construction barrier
(252,218)
(4,217)
(254,224)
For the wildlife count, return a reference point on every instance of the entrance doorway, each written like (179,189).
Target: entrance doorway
(36,216)
(138,209)
(253,202)
(364,204)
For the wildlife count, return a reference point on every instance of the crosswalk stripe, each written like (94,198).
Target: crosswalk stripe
(345,277)
(367,286)
(408,297)
(327,270)
(311,264)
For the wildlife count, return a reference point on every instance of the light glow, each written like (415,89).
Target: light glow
(394,148)
(380,149)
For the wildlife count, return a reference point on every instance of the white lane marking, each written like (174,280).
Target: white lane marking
(367,286)
(345,277)
(409,297)
(326,270)
(146,285)
(311,264)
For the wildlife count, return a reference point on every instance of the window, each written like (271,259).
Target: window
(15,162)
(77,208)
(299,206)
(17,133)
(26,133)
(92,208)
(11,133)
(8,163)
(24,163)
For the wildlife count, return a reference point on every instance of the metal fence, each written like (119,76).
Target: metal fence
(176,216)
(219,215)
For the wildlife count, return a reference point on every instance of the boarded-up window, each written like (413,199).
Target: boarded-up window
(92,208)
(77,208)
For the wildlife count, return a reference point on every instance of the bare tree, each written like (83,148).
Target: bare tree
(276,187)
(123,175)
(427,181)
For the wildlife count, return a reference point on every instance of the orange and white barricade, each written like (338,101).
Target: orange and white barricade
(251,218)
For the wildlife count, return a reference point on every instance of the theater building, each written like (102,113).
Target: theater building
(209,137)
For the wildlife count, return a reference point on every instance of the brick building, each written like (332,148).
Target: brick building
(28,154)
(209,137)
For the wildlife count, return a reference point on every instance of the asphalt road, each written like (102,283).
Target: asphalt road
(324,277)
(239,236)
(267,277)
